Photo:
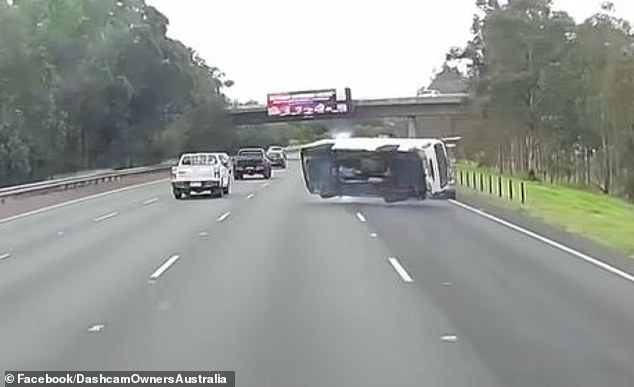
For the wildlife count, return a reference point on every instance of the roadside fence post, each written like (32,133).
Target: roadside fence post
(511,189)
(500,186)
(522,192)
(490,185)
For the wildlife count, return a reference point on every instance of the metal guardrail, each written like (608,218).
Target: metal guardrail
(78,181)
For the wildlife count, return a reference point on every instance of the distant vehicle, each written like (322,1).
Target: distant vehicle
(275,148)
(277,158)
(199,173)
(429,93)
(395,169)
(251,161)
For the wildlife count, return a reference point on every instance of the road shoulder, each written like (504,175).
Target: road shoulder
(514,214)
(18,205)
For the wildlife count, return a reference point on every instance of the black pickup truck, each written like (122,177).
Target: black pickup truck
(251,161)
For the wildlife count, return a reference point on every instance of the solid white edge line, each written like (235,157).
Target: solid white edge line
(550,242)
(79,200)
(4,256)
(150,201)
(224,216)
(166,265)
(250,196)
(107,216)
(361,217)
(400,269)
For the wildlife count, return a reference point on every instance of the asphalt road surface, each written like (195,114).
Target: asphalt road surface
(290,290)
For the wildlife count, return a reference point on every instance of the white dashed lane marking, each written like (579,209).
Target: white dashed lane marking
(107,216)
(361,217)
(449,338)
(163,268)
(96,328)
(400,270)
(224,216)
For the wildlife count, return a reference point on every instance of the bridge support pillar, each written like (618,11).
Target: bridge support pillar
(411,127)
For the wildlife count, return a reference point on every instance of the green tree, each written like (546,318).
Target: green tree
(96,83)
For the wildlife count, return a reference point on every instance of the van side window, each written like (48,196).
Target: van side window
(431,170)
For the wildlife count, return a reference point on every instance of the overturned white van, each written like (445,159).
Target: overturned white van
(395,169)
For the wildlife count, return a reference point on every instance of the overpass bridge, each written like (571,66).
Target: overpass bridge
(447,105)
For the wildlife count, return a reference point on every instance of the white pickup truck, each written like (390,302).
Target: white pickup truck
(199,173)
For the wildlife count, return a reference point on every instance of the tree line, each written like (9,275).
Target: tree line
(88,84)
(557,97)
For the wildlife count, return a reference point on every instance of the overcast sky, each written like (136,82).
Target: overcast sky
(379,48)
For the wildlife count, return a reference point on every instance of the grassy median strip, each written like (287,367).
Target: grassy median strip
(605,219)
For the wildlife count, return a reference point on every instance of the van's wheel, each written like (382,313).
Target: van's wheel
(220,192)
(177,194)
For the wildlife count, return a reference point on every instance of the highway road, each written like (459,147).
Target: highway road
(289,290)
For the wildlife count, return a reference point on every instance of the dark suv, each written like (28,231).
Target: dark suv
(251,161)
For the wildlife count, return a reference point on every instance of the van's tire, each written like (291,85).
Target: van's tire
(237,176)
(267,175)
(177,194)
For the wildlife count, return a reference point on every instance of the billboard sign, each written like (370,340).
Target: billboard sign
(311,103)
